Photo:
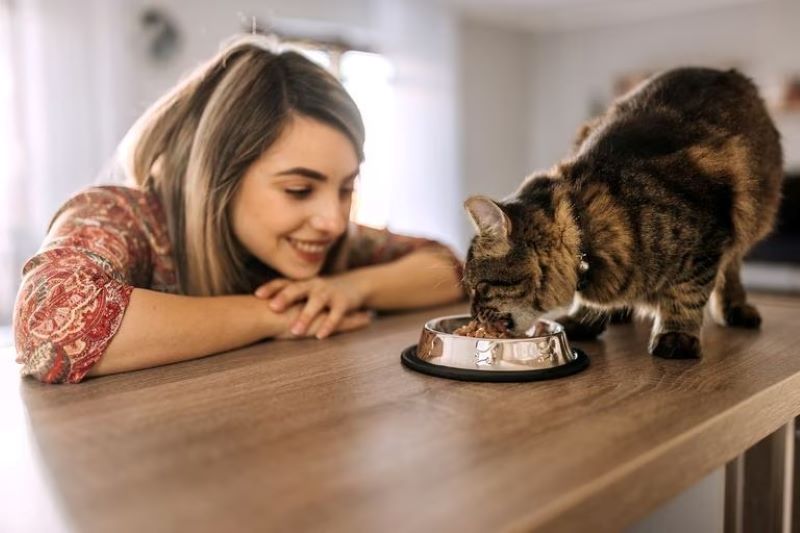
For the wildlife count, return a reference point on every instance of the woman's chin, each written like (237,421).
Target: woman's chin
(294,269)
(301,273)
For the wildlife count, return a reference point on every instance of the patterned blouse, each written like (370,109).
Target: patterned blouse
(102,243)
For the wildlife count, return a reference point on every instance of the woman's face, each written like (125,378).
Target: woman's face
(294,200)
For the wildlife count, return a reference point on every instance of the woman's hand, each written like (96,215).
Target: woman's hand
(349,322)
(329,297)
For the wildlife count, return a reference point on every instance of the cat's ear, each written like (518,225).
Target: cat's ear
(487,217)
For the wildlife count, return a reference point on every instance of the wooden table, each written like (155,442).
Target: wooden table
(337,435)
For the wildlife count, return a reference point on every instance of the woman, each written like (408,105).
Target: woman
(234,229)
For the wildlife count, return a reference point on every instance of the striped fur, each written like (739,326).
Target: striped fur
(665,193)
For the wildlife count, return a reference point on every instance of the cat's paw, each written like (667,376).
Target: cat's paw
(577,330)
(675,345)
(743,316)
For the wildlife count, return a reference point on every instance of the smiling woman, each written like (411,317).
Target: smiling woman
(307,178)
(234,229)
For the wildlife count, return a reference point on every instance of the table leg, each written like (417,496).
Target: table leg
(759,486)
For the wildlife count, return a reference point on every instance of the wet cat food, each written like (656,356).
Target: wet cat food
(481,330)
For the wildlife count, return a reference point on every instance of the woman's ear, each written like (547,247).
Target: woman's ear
(487,217)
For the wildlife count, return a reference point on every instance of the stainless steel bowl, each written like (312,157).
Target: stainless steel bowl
(545,355)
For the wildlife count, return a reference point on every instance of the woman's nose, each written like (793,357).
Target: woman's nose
(330,219)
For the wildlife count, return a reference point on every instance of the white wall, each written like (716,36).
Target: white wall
(571,69)
(495,95)
(421,39)
(63,96)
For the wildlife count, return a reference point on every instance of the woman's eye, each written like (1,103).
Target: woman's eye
(299,192)
(347,191)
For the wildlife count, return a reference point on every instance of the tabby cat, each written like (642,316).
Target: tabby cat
(661,198)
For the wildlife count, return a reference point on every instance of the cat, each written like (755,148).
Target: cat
(654,208)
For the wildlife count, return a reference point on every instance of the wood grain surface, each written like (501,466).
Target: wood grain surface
(336,435)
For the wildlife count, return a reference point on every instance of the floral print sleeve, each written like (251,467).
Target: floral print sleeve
(370,246)
(76,289)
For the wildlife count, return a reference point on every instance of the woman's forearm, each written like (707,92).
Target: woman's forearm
(422,278)
(160,328)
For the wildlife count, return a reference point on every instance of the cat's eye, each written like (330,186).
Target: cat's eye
(501,282)
(482,288)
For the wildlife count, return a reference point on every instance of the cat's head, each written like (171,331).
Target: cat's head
(521,263)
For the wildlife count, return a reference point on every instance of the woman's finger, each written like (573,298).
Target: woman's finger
(266,290)
(348,323)
(312,329)
(338,308)
(290,294)
(314,306)
(353,321)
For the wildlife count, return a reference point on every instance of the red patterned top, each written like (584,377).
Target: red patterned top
(102,243)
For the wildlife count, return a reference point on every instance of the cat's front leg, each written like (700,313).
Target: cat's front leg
(679,317)
(583,322)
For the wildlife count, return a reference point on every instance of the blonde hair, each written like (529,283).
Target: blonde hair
(193,146)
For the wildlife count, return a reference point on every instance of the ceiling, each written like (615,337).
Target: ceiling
(556,15)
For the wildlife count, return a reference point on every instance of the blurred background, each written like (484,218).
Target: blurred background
(459,96)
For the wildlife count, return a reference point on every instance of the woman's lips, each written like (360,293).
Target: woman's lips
(310,251)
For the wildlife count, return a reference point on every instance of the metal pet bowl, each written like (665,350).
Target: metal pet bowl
(545,355)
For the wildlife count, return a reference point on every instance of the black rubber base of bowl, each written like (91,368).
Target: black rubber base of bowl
(410,360)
